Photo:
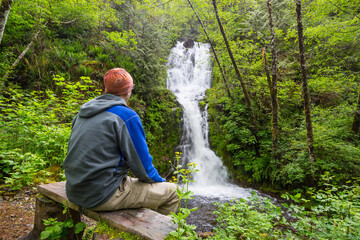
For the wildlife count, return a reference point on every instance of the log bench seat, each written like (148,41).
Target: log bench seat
(145,223)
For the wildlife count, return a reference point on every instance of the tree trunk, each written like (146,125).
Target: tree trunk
(243,86)
(273,90)
(306,95)
(356,123)
(4,13)
(213,50)
(267,72)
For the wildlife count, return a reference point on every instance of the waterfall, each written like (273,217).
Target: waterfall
(188,77)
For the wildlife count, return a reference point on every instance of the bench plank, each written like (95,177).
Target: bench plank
(146,223)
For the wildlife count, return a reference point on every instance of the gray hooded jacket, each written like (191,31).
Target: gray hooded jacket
(107,139)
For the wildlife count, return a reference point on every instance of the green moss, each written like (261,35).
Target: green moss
(104,228)
(202,105)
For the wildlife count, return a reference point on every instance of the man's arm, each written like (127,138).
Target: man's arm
(133,146)
(142,158)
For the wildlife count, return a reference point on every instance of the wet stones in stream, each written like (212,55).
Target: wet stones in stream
(203,218)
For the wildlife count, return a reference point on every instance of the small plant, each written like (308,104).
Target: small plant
(182,180)
(88,233)
(56,229)
(60,230)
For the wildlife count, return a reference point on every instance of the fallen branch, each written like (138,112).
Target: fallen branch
(68,22)
(18,59)
(22,54)
(5,7)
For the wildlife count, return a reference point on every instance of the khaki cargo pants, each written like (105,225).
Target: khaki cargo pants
(132,193)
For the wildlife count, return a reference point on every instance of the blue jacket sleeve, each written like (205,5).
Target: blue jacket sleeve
(137,155)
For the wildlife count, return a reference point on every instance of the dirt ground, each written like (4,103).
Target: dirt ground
(16,214)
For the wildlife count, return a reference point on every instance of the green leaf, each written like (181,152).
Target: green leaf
(285,205)
(79,227)
(45,234)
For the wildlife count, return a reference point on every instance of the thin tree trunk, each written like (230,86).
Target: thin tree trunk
(4,13)
(273,92)
(213,50)
(267,72)
(356,123)
(306,95)
(243,86)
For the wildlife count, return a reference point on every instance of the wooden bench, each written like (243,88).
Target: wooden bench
(145,223)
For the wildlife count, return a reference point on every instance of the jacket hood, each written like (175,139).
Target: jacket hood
(100,104)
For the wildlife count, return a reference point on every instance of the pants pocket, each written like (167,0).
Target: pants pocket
(124,188)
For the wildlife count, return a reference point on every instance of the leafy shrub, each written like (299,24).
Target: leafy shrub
(331,212)
(35,128)
(59,230)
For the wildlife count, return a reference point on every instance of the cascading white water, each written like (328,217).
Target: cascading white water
(189,75)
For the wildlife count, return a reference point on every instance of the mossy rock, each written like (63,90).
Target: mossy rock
(202,105)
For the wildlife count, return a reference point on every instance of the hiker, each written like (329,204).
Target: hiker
(107,140)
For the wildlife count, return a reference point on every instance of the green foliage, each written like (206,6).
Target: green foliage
(333,212)
(20,170)
(59,230)
(35,128)
(56,230)
(239,219)
(182,180)
(333,83)
(122,40)
(122,36)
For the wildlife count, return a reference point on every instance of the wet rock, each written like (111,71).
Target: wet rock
(189,43)
(192,58)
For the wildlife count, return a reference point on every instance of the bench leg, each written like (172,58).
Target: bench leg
(46,208)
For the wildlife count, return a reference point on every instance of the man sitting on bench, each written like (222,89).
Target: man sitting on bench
(107,139)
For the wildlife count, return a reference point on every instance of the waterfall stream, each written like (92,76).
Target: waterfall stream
(189,75)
